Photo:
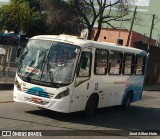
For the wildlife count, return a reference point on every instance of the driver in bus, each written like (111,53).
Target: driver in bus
(84,70)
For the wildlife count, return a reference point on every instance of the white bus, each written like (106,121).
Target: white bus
(66,74)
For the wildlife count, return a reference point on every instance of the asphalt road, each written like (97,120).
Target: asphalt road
(143,115)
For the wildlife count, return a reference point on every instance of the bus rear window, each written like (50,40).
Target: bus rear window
(128,65)
(140,65)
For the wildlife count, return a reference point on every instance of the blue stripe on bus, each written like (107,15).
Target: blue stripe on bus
(38,92)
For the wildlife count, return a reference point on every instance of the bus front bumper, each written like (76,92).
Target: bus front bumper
(59,105)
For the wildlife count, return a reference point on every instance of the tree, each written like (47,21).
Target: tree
(62,18)
(21,15)
(35,5)
(95,11)
(15,16)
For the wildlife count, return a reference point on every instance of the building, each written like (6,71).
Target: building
(111,35)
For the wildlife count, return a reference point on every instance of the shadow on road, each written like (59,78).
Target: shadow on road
(138,118)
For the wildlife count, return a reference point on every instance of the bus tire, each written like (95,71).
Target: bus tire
(127,102)
(91,106)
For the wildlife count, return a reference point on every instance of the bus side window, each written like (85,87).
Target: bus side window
(101,59)
(140,65)
(115,62)
(128,64)
(85,64)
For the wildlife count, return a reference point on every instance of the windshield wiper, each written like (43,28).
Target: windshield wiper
(49,72)
(51,76)
(38,65)
(22,56)
(34,69)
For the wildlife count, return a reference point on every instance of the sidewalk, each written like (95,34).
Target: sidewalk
(6,96)
(6,92)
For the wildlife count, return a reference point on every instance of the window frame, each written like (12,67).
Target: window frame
(121,63)
(143,65)
(80,62)
(132,64)
(95,62)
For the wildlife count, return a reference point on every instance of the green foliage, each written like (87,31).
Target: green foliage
(38,24)
(33,4)
(21,15)
(15,16)
(35,17)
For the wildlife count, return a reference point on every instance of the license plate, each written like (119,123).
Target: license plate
(37,100)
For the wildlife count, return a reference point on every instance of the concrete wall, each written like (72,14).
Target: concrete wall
(153,65)
(153,71)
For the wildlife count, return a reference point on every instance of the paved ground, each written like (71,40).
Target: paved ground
(6,96)
(143,115)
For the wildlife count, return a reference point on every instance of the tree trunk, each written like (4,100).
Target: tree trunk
(98,30)
(90,28)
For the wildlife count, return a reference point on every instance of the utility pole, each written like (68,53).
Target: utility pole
(119,40)
(152,26)
(129,35)
(119,36)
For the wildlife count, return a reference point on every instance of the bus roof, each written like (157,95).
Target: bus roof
(82,43)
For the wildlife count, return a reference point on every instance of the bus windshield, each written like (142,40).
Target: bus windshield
(48,61)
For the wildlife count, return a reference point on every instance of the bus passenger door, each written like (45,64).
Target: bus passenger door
(82,81)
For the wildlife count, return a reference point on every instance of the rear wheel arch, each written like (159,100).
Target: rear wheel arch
(131,92)
(91,105)
(128,99)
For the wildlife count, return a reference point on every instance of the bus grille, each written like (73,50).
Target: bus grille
(38,93)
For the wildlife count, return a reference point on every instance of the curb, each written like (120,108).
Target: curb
(152,88)
(7,101)
(6,86)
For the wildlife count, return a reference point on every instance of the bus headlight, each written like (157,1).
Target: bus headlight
(17,84)
(63,94)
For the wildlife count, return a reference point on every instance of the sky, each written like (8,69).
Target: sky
(137,2)
(142,2)
(4,0)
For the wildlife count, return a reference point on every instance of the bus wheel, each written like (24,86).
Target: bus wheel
(91,106)
(127,101)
